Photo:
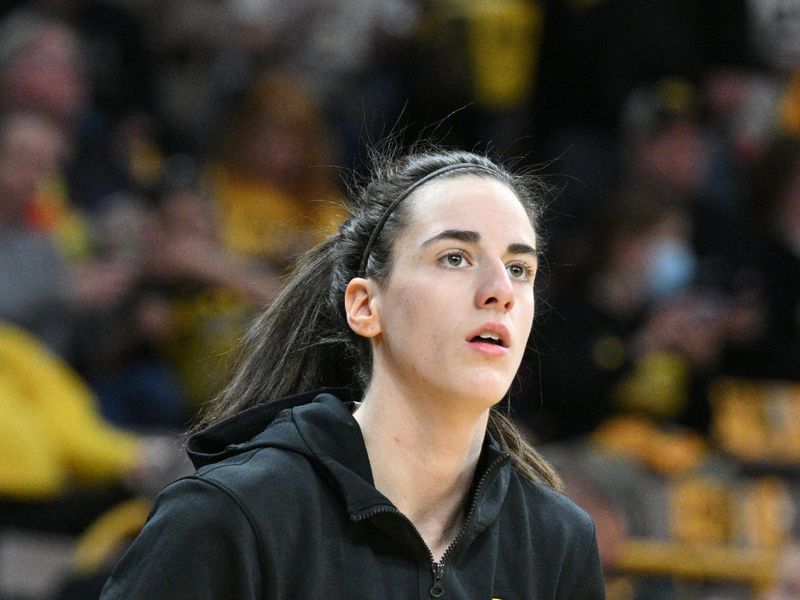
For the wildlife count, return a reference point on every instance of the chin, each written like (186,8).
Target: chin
(485,391)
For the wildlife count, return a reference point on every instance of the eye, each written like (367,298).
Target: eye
(455,259)
(520,271)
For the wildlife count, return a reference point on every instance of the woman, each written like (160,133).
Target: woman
(421,305)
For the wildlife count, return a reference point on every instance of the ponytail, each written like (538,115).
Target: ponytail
(298,343)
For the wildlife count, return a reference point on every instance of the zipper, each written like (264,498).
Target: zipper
(437,590)
(437,587)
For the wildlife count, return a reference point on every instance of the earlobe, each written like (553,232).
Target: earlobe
(361,307)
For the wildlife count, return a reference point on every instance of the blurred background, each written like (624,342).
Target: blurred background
(162,163)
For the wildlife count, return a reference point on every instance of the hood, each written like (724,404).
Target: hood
(245,431)
(317,424)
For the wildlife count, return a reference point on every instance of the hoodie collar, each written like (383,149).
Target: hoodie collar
(321,426)
(334,438)
(240,432)
(317,424)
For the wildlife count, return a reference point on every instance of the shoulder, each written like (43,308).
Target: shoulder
(552,511)
(192,503)
(225,495)
(265,477)
(197,543)
(563,538)
(192,513)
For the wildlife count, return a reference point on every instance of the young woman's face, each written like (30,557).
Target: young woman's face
(457,308)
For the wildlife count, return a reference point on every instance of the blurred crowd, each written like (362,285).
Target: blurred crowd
(163,163)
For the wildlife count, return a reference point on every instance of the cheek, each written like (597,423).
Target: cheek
(526,303)
(416,321)
(421,316)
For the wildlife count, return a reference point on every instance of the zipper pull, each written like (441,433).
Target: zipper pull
(437,590)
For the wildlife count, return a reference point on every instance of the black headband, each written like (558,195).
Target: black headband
(362,271)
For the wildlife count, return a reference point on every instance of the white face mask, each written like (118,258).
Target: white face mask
(670,267)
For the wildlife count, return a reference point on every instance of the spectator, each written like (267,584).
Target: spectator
(273,177)
(200,293)
(630,336)
(774,204)
(43,69)
(48,289)
(347,49)
(62,464)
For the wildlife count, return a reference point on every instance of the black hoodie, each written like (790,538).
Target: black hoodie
(283,506)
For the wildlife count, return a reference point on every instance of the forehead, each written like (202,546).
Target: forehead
(470,202)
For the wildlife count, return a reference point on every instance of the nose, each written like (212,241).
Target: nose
(495,290)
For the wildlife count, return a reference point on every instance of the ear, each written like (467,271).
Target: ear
(360,305)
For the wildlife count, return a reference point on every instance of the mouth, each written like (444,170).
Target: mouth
(488,338)
(494,334)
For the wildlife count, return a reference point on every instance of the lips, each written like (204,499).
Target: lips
(495,334)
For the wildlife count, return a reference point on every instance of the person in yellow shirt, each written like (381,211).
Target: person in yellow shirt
(54,445)
(272,187)
(270,197)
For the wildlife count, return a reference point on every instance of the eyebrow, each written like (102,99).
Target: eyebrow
(454,234)
(465,235)
(519,248)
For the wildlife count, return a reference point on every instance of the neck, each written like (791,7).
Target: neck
(423,458)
